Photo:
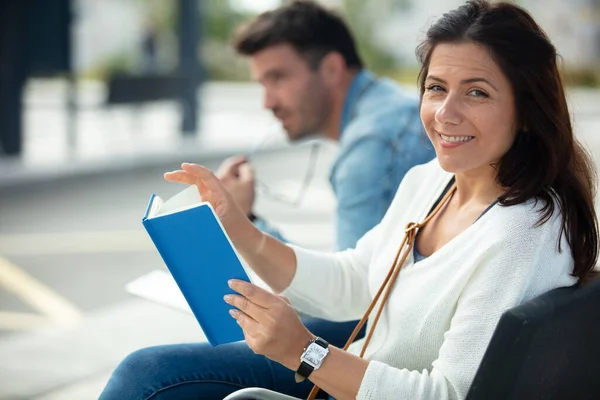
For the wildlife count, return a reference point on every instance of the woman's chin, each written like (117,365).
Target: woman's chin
(449,165)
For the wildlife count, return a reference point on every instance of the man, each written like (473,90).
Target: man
(314,82)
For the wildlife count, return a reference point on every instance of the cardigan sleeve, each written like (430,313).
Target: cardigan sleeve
(517,267)
(333,286)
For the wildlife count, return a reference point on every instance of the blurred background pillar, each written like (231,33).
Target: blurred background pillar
(35,40)
(189,25)
(13,40)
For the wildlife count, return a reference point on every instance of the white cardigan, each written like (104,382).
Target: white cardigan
(442,311)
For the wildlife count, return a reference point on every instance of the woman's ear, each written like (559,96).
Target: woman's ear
(520,126)
(524,127)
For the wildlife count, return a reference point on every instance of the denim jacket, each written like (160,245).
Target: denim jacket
(381,139)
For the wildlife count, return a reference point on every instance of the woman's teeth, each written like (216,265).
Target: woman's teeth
(456,138)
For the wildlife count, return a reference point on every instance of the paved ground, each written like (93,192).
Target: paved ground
(71,237)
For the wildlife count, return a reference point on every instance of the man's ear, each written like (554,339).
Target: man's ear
(332,68)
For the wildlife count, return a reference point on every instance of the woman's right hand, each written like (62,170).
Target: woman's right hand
(242,232)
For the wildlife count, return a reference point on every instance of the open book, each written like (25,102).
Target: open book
(201,258)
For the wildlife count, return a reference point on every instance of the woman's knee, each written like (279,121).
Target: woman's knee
(194,370)
(139,374)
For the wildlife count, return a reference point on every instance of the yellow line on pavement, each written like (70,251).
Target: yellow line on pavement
(64,243)
(39,296)
(14,321)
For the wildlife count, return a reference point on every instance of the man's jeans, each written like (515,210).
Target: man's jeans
(200,371)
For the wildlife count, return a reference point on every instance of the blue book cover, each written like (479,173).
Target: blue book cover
(200,256)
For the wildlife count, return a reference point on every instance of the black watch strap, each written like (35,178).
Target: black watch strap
(322,342)
(305,369)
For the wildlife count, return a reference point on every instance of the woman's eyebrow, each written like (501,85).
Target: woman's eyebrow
(470,80)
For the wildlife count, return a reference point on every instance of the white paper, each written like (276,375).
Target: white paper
(159,287)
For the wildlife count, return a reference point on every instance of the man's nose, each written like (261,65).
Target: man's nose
(269,101)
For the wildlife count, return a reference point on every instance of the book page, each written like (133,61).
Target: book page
(185,199)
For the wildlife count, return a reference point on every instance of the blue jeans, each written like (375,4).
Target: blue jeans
(199,371)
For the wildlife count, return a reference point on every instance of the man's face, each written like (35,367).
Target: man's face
(295,93)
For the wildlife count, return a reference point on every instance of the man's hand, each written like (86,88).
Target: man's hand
(237,176)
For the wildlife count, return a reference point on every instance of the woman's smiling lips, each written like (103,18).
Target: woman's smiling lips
(453,141)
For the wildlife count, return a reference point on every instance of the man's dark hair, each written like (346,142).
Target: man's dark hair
(312,30)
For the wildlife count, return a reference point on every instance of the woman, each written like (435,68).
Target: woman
(511,217)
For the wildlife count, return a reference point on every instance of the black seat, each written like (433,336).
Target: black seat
(547,348)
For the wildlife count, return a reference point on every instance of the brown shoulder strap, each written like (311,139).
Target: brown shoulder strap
(404,250)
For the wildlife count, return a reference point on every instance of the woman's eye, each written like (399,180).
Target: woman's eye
(434,88)
(478,93)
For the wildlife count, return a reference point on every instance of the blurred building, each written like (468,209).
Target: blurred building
(111,29)
(573,25)
(103,29)
(110,34)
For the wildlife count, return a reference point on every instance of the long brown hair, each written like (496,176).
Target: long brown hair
(545,162)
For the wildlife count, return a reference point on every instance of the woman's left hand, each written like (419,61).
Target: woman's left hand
(271,326)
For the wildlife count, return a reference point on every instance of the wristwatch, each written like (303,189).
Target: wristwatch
(312,358)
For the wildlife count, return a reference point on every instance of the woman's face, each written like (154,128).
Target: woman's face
(468,108)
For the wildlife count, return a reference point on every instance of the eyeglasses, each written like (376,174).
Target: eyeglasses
(296,200)
(293,201)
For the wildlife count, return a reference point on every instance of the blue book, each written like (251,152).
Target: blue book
(200,256)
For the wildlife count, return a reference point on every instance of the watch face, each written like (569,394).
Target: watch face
(314,354)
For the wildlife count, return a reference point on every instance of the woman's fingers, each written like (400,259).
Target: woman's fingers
(253,310)
(200,172)
(271,327)
(247,323)
(193,174)
(180,177)
(205,176)
(255,294)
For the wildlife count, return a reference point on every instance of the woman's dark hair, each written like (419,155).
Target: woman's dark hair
(312,30)
(545,162)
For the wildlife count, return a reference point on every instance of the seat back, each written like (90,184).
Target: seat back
(140,89)
(547,348)
(258,394)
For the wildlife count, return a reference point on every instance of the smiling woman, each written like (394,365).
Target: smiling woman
(503,215)
(493,104)
(468,107)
